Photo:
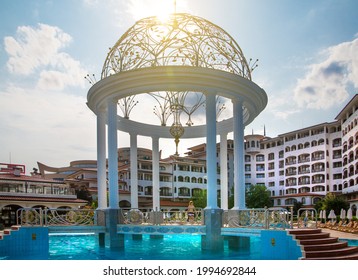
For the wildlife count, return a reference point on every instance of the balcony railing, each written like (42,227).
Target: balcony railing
(317,158)
(305,171)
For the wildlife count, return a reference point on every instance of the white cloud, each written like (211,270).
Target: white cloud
(326,83)
(37,51)
(50,127)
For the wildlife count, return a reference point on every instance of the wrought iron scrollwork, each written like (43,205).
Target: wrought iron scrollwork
(182,40)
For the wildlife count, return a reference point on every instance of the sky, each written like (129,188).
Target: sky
(307,52)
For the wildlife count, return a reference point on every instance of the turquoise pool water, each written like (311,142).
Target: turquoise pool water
(170,247)
(351,242)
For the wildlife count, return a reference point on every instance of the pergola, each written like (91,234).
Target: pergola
(182,63)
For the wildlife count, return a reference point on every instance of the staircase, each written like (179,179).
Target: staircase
(5,232)
(318,245)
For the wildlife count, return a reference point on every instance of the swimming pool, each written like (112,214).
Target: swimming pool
(170,247)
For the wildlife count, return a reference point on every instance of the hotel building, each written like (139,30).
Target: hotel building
(298,166)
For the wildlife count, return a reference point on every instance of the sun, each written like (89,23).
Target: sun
(164,9)
(146,8)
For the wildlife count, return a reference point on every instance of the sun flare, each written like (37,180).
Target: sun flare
(159,8)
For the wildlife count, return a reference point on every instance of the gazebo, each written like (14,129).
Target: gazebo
(183,63)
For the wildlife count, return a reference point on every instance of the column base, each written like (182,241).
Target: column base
(113,218)
(239,243)
(213,241)
(155,236)
(101,239)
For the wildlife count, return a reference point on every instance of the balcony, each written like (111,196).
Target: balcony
(315,170)
(303,160)
(304,171)
(321,157)
(319,181)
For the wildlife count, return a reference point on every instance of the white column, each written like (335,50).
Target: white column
(223,172)
(211,150)
(101,160)
(155,173)
(239,171)
(134,171)
(112,155)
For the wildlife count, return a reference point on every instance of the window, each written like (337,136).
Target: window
(260,158)
(260,167)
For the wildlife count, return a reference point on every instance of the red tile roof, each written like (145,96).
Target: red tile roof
(42,199)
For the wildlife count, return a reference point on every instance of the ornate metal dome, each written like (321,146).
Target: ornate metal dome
(182,40)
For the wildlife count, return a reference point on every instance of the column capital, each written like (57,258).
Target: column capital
(237,101)
(210,92)
(101,108)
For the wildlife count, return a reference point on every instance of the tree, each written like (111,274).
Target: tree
(296,206)
(335,202)
(257,196)
(83,193)
(200,199)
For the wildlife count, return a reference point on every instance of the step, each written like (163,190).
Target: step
(332,253)
(15,228)
(322,247)
(346,257)
(312,236)
(304,231)
(327,240)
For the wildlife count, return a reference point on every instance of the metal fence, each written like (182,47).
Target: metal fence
(264,218)
(55,217)
(164,217)
(307,218)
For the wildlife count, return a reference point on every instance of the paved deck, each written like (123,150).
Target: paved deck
(341,234)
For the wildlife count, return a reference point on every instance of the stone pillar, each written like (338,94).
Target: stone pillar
(116,241)
(213,240)
(223,172)
(112,155)
(134,171)
(101,160)
(211,150)
(239,168)
(155,173)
